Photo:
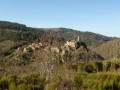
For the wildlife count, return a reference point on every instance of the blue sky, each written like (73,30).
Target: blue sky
(99,16)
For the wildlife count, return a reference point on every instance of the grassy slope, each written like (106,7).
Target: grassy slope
(109,50)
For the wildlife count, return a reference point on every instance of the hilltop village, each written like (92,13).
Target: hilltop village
(70,45)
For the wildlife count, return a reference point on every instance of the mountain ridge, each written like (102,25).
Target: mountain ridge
(86,36)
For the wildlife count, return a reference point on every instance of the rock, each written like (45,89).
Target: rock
(18,49)
(32,47)
(25,50)
(40,44)
(55,49)
(47,49)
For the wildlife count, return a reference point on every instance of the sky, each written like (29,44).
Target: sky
(98,16)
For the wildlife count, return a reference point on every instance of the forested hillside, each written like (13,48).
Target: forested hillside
(88,37)
(54,59)
(18,32)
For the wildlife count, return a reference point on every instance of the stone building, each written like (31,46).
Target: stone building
(76,44)
(72,43)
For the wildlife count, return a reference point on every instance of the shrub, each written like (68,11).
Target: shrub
(73,66)
(4,83)
(34,81)
(89,68)
(114,65)
(21,87)
(98,66)
(106,65)
(51,86)
(12,86)
(54,83)
(78,79)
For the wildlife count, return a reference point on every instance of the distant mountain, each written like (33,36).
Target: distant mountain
(20,32)
(109,50)
(11,25)
(88,37)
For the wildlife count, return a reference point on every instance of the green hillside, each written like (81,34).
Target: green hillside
(18,32)
(53,59)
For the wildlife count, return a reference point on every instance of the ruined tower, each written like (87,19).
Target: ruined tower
(78,38)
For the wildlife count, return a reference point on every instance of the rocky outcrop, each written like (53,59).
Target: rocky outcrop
(55,49)
(32,47)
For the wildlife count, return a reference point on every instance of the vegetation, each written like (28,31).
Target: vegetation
(95,75)
(101,81)
(18,32)
(112,52)
(91,76)
(88,37)
(27,82)
(43,69)
(13,26)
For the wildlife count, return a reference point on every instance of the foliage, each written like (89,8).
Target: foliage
(14,26)
(97,65)
(29,82)
(103,81)
(78,80)
(18,32)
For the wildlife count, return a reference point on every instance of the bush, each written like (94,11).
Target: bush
(34,81)
(12,86)
(51,86)
(89,68)
(98,66)
(26,58)
(54,83)
(29,82)
(21,87)
(114,65)
(78,79)
(106,65)
(4,83)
